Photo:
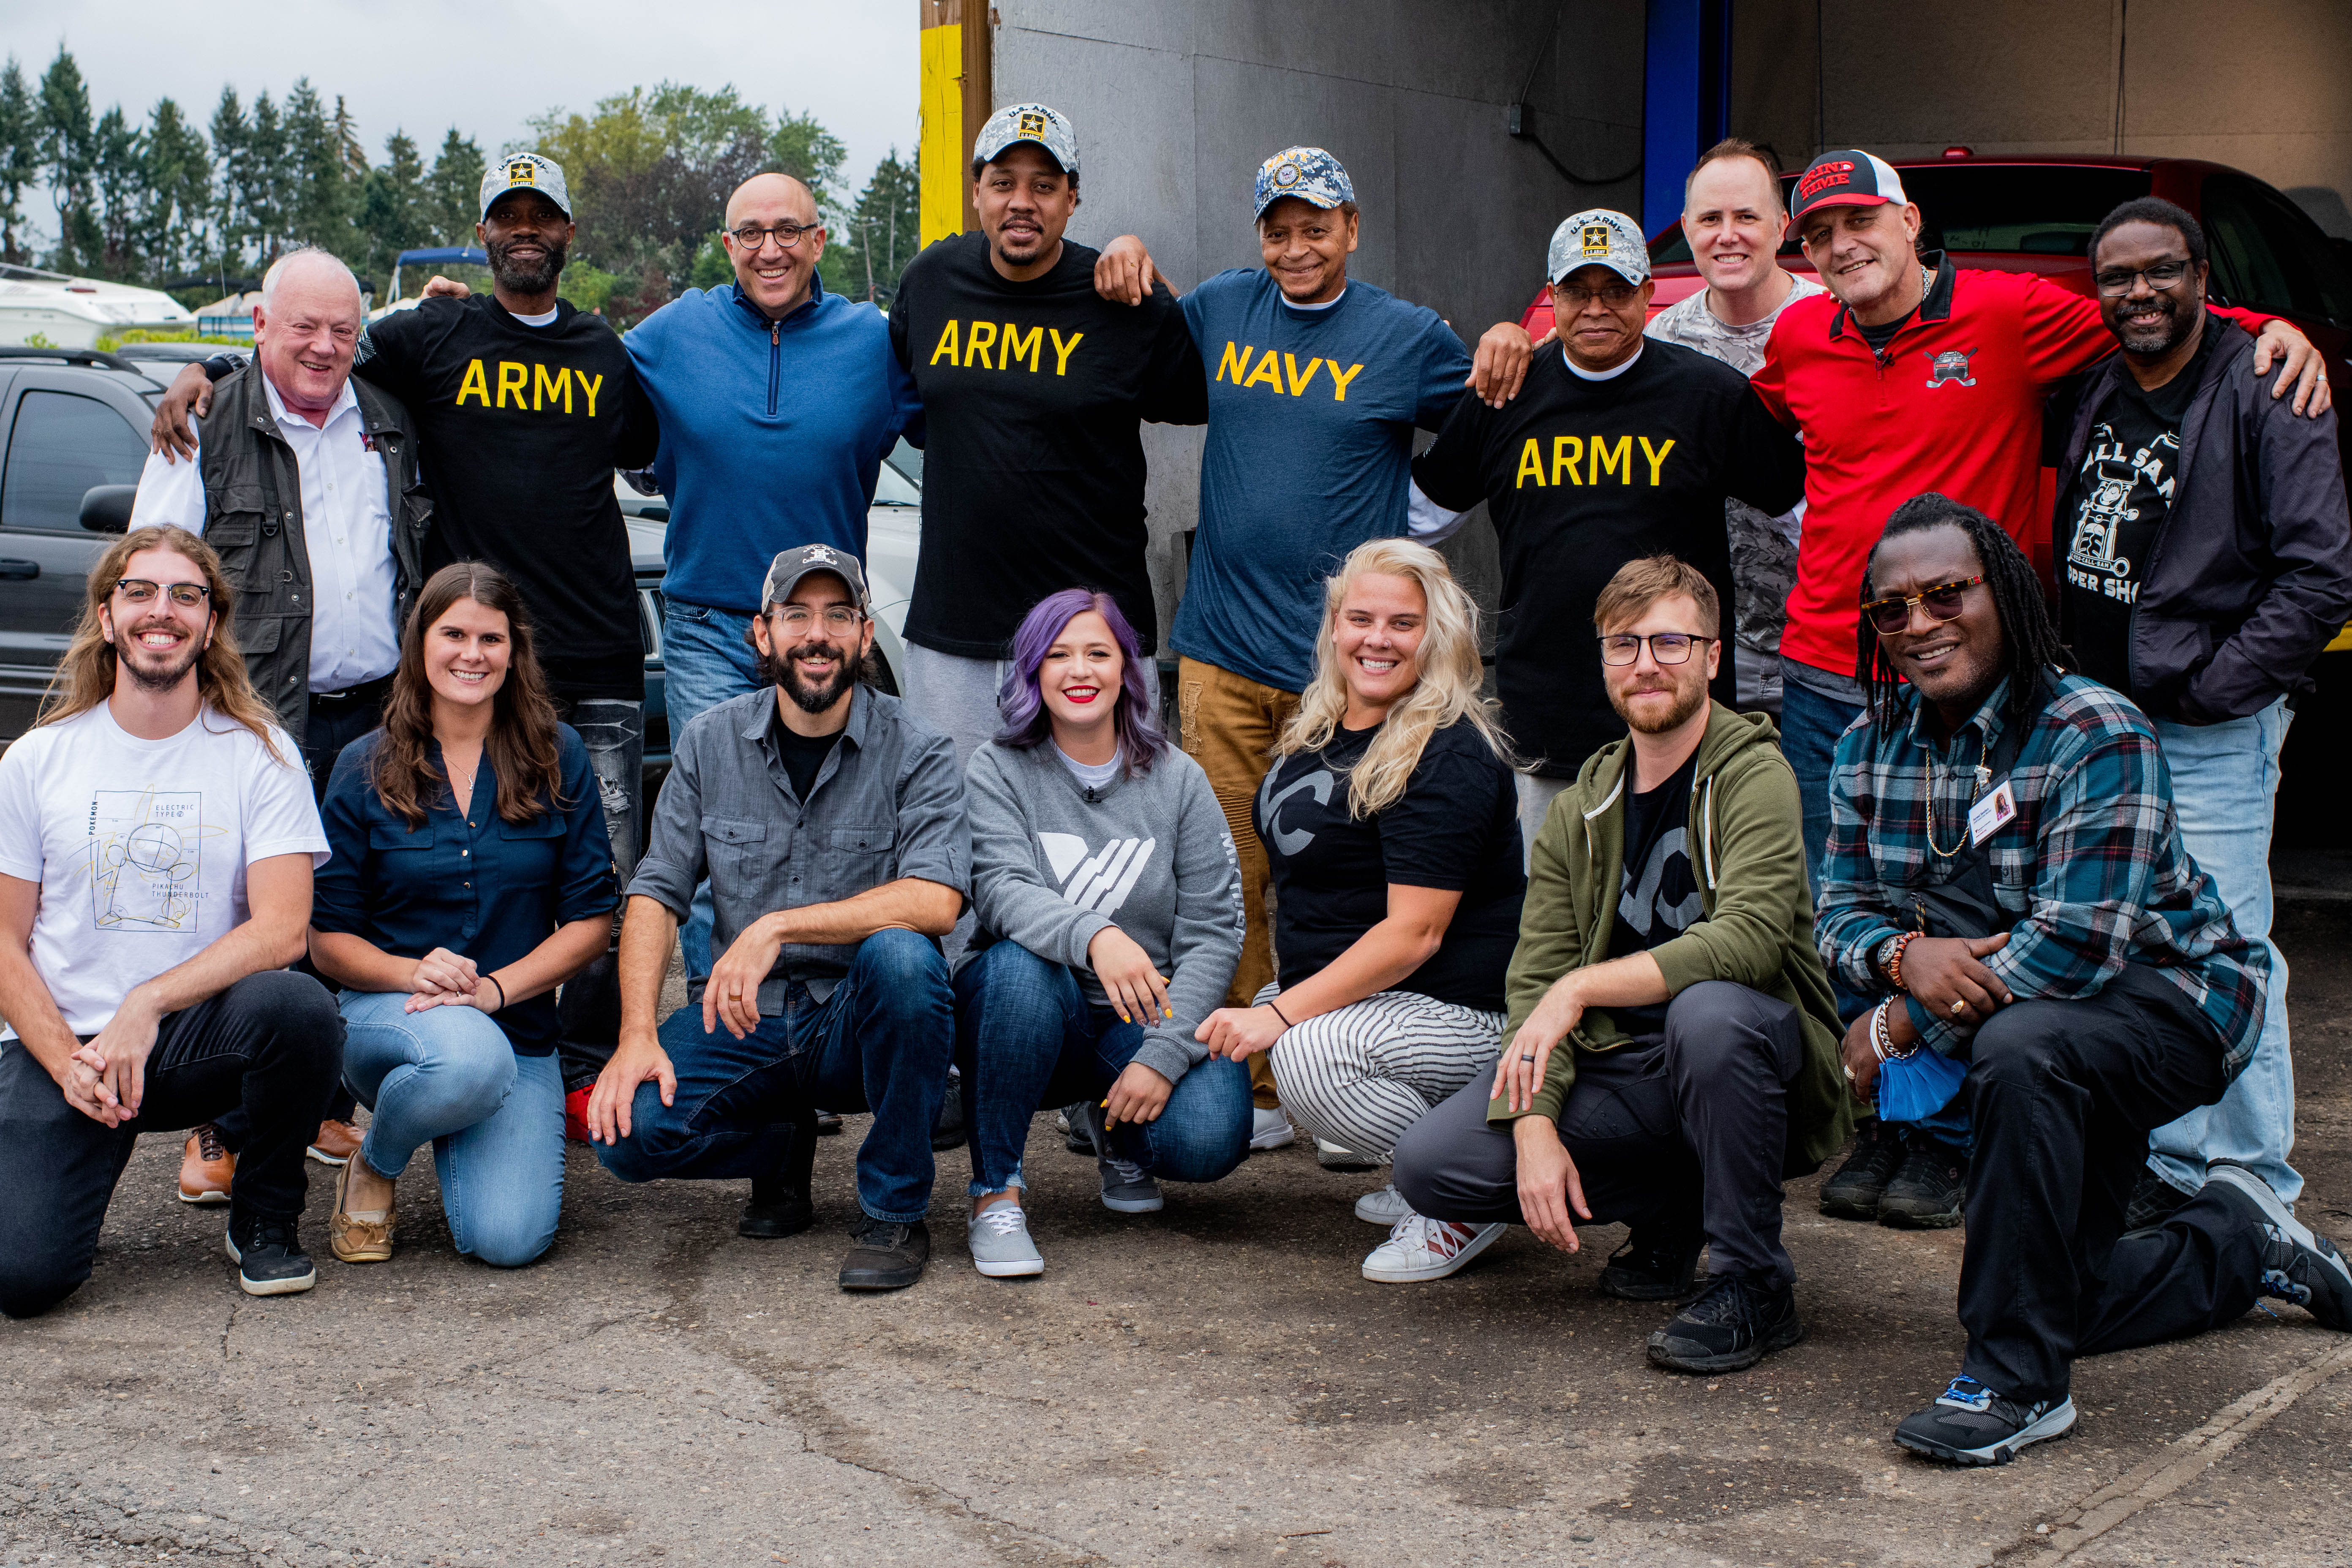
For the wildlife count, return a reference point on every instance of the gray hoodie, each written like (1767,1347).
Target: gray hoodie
(1054,862)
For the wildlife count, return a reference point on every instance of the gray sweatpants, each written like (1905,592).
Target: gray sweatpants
(1688,1133)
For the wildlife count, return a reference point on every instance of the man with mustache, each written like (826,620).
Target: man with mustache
(2206,561)
(830,822)
(527,405)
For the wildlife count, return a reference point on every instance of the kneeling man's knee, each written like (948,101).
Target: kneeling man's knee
(29,1286)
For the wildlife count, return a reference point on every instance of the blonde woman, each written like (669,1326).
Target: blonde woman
(1391,820)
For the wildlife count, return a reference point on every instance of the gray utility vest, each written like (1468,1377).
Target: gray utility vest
(253,517)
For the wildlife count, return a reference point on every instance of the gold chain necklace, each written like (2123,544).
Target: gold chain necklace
(1983,774)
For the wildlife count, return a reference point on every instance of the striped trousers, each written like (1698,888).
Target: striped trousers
(1359,1076)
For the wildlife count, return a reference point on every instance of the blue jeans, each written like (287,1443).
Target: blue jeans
(880,1041)
(446,1076)
(2225,778)
(1026,1039)
(1811,724)
(707,657)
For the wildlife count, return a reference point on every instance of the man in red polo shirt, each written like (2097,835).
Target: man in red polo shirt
(1911,375)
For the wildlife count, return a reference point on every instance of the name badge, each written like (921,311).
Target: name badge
(1989,815)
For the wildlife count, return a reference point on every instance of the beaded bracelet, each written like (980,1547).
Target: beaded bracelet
(1893,965)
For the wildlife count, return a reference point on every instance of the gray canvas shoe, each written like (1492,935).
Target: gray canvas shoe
(1000,1248)
(1126,1187)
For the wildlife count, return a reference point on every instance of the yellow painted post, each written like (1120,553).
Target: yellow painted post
(943,150)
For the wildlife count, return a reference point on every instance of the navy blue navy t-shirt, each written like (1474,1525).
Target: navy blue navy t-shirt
(1311,415)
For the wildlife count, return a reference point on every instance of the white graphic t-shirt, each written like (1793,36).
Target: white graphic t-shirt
(140,847)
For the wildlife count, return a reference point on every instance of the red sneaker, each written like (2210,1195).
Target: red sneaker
(575,1114)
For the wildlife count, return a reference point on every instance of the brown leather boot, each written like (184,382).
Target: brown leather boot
(336,1141)
(205,1167)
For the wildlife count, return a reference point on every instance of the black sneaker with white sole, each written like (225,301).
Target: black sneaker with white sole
(2299,1265)
(1072,1122)
(269,1257)
(1971,1424)
(1737,1321)
(1651,1267)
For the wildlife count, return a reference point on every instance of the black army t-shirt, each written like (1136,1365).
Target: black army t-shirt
(1033,466)
(1584,476)
(1657,894)
(521,428)
(1455,828)
(2118,501)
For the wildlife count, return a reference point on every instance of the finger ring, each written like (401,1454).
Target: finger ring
(1528,1058)
(736,991)
(1959,1005)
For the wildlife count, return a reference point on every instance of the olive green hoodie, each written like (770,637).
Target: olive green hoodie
(1756,925)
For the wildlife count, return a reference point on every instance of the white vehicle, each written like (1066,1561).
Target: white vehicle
(73,312)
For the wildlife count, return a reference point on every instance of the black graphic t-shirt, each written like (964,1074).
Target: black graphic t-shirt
(1581,477)
(1657,897)
(1455,828)
(2118,499)
(1033,466)
(521,428)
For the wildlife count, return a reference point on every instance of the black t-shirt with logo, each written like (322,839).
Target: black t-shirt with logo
(521,428)
(1581,477)
(2118,501)
(1657,897)
(1455,828)
(1033,465)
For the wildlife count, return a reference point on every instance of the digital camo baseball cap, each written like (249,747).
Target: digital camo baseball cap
(1849,178)
(1310,173)
(525,172)
(1048,127)
(788,568)
(1597,237)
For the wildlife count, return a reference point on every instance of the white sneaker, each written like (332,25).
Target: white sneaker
(1270,1129)
(1384,1208)
(1000,1248)
(1424,1248)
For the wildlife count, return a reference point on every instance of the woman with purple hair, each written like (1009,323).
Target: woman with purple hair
(1109,919)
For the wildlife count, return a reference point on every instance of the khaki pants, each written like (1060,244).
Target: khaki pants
(1230,724)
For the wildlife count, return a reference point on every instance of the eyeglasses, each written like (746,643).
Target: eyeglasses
(839,618)
(752,238)
(1667,647)
(1942,603)
(183,596)
(1616,296)
(2162,276)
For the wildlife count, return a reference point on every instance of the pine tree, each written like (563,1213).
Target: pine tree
(179,189)
(232,136)
(19,159)
(68,150)
(119,179)
(262,192)
(320,202)
(395,208)
(453,190)
(886,229)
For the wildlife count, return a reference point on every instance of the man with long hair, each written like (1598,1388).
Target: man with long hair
(830,822)
(157,839)
(2005,873)
(1673,1042)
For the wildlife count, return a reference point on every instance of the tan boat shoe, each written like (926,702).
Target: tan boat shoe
(354,1239)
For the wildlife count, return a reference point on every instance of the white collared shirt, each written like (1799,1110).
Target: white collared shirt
(346,528)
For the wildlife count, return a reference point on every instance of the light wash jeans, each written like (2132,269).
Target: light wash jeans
(707,658)
(446,1076)
(2225,778)
(1536,796)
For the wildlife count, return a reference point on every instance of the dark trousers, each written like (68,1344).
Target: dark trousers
(880,1041)
(589,1004)
(1688,1133)
(270,1046)
(2064,1096)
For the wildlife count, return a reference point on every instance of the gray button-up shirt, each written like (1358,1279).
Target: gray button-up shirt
(888,803)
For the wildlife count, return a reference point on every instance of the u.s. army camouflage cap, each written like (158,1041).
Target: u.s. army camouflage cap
(525,172)
(1048,127)
(1598,236)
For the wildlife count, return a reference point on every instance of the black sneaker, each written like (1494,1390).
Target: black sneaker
(1075,1137)
(886,1255)
(1853,1193)
(269,1257)
(1651,1267)
(1736,1322)
(2154,1200)
(1927,1189)
(1971,1424)
(947,1132)
(828,1122)
(778,1209)
(2299,1265)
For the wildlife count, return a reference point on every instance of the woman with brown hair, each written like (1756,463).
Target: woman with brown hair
(471,876)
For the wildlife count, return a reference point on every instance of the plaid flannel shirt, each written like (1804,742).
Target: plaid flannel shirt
(2092,867)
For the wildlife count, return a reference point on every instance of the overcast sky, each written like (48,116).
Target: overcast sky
(487,66)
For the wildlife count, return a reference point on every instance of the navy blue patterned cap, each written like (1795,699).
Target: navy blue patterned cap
(1310,174)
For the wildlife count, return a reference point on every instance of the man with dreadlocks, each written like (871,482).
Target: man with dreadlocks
(2005,870)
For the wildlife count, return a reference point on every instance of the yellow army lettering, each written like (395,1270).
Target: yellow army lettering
(985,345)
(1574,462)
(1281,372)
(529,385)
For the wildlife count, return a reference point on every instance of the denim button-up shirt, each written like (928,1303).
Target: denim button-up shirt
(888,803)
(480,886)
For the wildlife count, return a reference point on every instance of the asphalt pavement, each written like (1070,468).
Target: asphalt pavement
(1211,1384)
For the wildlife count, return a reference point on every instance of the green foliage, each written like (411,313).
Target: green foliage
(453,190)
(69,150)
(586,287)
(19,157)
(712,268)
(872,243)
(109,342)
(39,340)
